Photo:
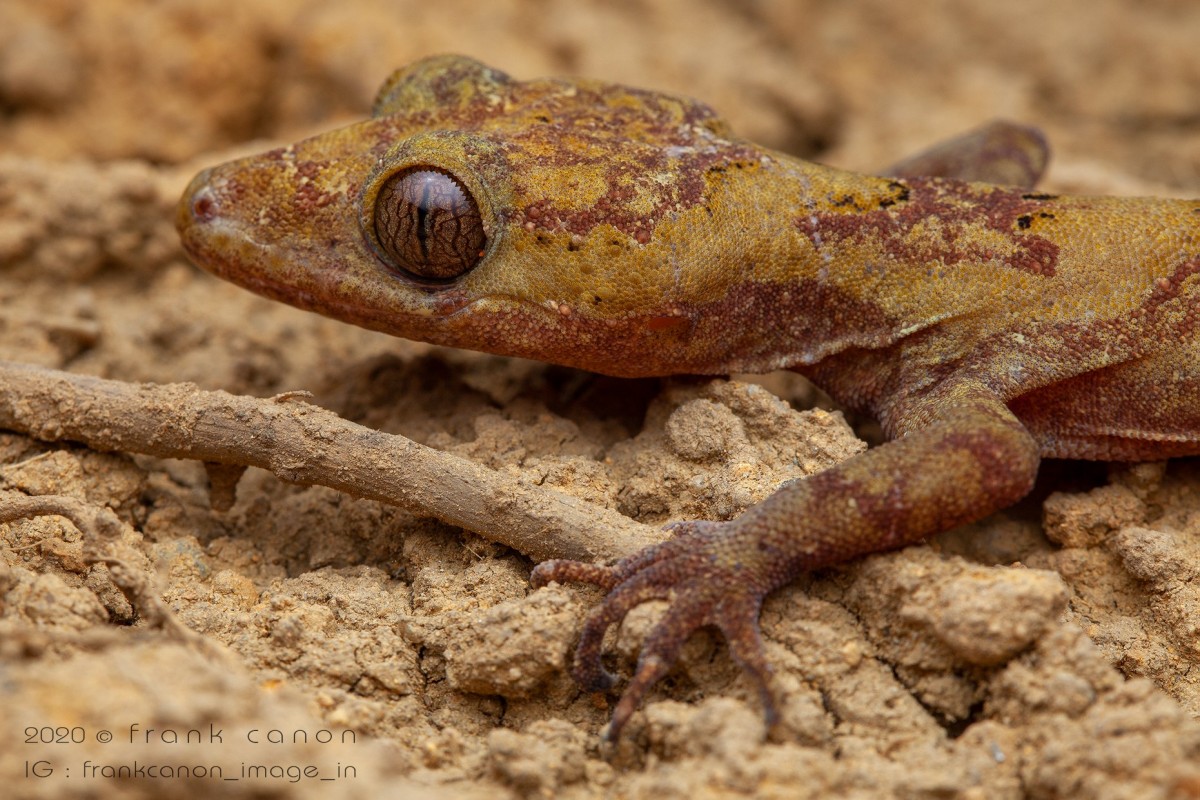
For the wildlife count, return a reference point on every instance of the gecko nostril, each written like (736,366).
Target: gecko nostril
(204,205)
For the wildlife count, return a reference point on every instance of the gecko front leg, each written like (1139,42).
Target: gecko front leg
(972,457)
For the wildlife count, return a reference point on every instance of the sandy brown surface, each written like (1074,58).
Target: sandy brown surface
(1047,652)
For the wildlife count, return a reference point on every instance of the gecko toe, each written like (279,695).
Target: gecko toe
(739,624)
(661,649)
(561,570)
(704,589)
(589,670)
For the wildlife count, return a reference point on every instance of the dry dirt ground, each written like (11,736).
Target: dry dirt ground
(1046,652)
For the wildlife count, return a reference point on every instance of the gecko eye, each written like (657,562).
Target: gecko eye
(429,224)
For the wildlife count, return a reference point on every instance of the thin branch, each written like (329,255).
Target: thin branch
(305,444)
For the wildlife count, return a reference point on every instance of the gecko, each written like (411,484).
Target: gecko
(984,324)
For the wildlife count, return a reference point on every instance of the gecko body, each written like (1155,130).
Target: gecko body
(629,232)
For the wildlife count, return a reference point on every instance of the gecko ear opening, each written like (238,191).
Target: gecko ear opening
(428,225)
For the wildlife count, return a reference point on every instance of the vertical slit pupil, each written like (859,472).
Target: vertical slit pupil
(424,221)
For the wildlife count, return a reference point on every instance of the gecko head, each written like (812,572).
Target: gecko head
(562,220)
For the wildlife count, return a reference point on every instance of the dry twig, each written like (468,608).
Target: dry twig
(305,444)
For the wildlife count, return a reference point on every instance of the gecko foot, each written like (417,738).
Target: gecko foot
(699,572)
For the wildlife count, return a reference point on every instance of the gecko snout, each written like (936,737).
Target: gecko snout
(199,202)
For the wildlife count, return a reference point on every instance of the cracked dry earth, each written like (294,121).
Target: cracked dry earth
(1044,652)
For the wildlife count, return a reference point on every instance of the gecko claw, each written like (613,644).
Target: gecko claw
(703,591)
